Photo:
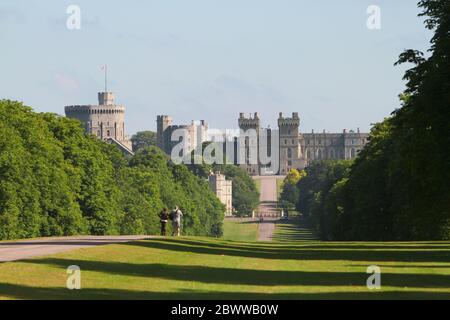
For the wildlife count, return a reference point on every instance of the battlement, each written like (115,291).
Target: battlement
(106,98)
(164,119)
(249,122)
(93,109)
(289,122)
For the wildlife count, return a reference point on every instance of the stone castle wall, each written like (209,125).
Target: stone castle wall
(297,150)
(106,120)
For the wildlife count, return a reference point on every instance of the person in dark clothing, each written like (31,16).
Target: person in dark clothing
(164,216)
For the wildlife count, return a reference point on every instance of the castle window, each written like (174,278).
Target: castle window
(289,163)
(289,131)
(108,133)
(285,141)
(289,153)
(320,141)
(353,153)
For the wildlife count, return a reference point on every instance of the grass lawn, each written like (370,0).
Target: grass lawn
(292,267)
(240,230)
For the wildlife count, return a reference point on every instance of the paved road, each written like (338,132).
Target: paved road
(24,249)
(268,188)
(267,207)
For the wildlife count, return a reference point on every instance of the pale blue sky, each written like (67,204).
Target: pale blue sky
(211,59)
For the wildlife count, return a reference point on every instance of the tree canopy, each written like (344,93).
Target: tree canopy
(55,180)
(143,139)
(398,187)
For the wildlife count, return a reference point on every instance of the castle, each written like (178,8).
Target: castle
(106,120)
(297,150)
(193,134)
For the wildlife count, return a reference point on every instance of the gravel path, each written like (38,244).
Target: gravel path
(24,249)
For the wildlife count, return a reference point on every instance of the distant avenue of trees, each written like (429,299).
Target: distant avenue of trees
(55,180)
(398,188)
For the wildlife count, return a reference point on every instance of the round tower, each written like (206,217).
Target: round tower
(105,120)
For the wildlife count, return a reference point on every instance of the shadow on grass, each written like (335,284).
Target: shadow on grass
(15,291)
(297,252)
(293,230)
(217,275)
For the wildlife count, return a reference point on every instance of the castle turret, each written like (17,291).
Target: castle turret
(106,98)
(290,148)
(249,123)
(163,122)
(249,143)
(106,120)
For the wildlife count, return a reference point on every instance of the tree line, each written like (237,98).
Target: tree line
(398,188)
(55,180)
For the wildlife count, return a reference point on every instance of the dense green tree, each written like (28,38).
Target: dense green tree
(316,188)
(289,191)
(55,180)
(143,139)
(398,186)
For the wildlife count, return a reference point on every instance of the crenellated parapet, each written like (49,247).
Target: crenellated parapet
(249,122)
(93,109)
(294,121)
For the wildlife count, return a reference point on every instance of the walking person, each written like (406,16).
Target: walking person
(176,221)
(164,217)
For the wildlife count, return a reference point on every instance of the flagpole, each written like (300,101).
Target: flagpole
(106,77)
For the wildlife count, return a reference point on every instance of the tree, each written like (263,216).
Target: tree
(316,189)
(55,180)
(397,187)
(290,192)
(143,139)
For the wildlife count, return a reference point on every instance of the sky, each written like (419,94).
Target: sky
(211,59)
